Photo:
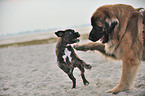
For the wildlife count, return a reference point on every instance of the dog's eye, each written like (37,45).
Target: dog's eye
(98,27)
(99,24)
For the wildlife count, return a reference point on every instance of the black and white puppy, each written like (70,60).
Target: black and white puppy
(67,59)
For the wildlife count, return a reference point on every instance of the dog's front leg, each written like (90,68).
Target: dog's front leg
(90,46)
(94,46)
(129,69)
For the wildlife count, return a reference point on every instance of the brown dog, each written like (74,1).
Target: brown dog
(119,27)
(67,59)
(142,11)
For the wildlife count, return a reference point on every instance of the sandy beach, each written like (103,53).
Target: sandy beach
(33,71)
(28,64)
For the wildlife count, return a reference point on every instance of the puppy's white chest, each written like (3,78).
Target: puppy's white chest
(67,53)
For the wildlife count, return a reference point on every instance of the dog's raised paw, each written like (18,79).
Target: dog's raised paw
(78,47)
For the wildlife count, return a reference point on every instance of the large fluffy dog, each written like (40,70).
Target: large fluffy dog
(119,27)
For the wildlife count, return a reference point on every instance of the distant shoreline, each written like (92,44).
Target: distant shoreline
(40,31)
(38,38)
(36,42)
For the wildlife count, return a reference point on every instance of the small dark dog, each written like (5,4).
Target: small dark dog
(67,59)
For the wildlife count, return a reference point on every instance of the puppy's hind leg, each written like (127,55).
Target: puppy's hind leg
(65,68)
(82,75)
(69,72)
(72,78)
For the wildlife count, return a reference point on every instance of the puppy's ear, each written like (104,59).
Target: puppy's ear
(59,33)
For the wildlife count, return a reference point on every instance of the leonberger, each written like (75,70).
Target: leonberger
(119,28)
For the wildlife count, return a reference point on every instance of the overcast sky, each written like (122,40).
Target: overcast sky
(22,15)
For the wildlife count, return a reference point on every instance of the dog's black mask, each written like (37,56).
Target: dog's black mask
(69,36)
(101,32)
(96,33)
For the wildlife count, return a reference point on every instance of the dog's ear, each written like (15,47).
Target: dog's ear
(59,33)
(110,19)
(113,23)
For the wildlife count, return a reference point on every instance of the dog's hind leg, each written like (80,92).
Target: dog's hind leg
(73,79)
(82,75)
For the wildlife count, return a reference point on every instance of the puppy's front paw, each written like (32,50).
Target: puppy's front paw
(88,66)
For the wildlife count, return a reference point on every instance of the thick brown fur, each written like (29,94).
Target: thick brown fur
(142,10)
(125,42)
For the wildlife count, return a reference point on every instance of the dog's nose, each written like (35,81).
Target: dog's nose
(92,39)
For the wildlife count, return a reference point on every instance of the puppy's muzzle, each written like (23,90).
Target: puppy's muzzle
(77,33)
